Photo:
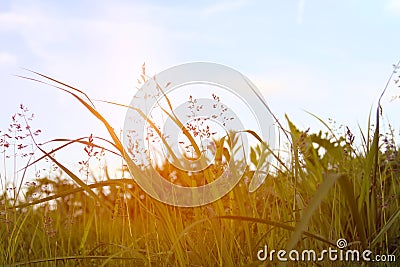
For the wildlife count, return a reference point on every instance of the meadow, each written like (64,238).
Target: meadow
(336,184)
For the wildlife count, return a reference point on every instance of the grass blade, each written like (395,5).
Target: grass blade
(321,193)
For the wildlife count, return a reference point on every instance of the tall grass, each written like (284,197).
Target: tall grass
(325,190)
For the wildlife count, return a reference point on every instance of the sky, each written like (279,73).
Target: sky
(330,58)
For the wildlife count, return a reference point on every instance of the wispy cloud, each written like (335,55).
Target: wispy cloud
(393,6)
(7,59)
(101,54)
(224,6)
(300,12)
(12,20)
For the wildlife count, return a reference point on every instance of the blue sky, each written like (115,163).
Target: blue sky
(331,58)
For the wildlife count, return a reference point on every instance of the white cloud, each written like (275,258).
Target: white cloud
(224,6)
(11,21)
(296,81)
(105,41)
(300,12)
(393,6)
(7,59)
(101,54)
(267,85)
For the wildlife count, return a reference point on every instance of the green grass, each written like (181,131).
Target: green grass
(326,189)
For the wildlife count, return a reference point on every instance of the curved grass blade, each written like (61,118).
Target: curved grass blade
(266,150)
(64,84)
(117,143)
(316,200)
(267,107)
(249,219)
(75,178)
(69,142)
(73,258)
(386,227)
(347,189)
(151,124)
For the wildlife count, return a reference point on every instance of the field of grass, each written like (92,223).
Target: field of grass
(335,184)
